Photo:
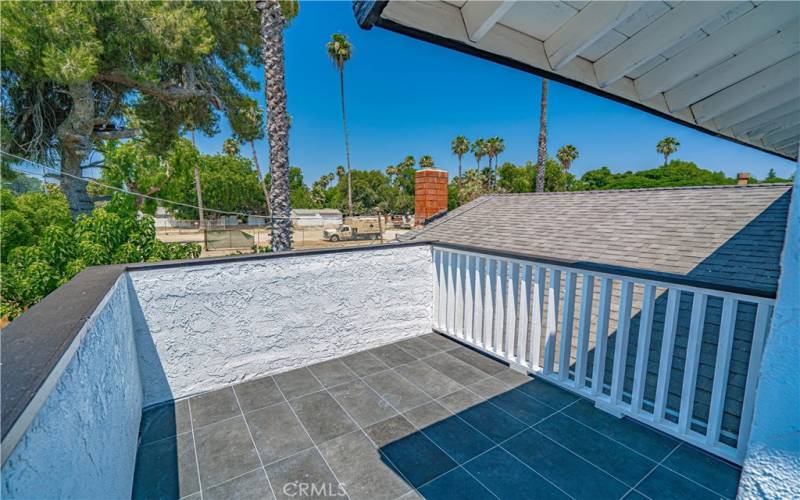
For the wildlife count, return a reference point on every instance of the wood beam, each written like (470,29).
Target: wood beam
(782,95)
(752,124)
(786,134)
(776,125)
(735,69)
(741,92)
(585,28)
(660,35)
(480,16)
(724,43)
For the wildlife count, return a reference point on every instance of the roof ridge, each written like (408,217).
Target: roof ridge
(635,190)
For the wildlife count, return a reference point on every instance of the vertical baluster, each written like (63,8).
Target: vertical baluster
(469,276)
(478,283)
(584,325)
(524,307)
(537,301)
(692,361)
(567,324)
(601,338)
(721,368)
(442,291)
(459,309)
(643,347)
(451,293)
(488,303)
(552,317)
(437,255)
(499,308)
(512,302)
(667,348)
(621,342)
(753,370)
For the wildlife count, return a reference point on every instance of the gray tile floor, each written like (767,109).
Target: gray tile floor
(424,417)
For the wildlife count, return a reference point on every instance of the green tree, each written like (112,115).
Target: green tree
(479,151)
(76,74)
(667,146)
(494,146)
(459,147)
(275,16)
(675,173)
(425,162)
(542,145)
(566,155)
(250,128)
(340,51)
(231,147)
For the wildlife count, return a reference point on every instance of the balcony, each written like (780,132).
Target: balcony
(388,371)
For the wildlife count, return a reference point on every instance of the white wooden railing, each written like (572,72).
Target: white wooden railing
(524,312)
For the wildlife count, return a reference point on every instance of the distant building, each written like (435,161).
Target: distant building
(316,217)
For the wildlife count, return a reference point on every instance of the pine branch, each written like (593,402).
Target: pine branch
(171,94)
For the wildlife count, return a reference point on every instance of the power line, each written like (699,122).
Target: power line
(133,193)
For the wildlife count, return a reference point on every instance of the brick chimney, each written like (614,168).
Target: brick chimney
(742,178)
(430,194)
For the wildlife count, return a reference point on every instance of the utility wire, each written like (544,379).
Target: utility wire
(133,193)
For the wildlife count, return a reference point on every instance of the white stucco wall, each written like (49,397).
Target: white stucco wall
(772,464)
(82,442)
(202,327)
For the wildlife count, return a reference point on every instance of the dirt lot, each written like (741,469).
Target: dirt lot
(245,238)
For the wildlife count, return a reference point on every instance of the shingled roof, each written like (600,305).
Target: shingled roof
(726,235)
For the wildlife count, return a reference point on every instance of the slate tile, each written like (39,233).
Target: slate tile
(258,393)
(213,406)
(489,387)
(617,460)
(460,400)
(710,472)
(439,341)
(508,478)
(570,473)
(166,469)
(457,439)
(297,383)
(427,414)
(304,475)
(522,407)
(512,378)
(361,469)
(362,403)
(277,432)
(454,368)
(492,421)
(332,372)
(390,430)
(455,485)
(391,355)
(417,458)
(547,393)
(224,451)
(431,381)
(322,416)
(165,420)
(364,363)
(663,484)
(250,486)
(417,347)
(481,362)
(648,442)
(396,390)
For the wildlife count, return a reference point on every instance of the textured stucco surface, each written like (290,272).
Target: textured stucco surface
(203,327)
(82,442)
(772,466)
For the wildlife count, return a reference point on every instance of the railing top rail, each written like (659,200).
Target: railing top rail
(681,282)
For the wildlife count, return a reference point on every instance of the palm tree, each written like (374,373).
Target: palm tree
(460,147)
(275,15)
(488,147)
(542,152)
(494,146)
(425,162)
(340,51)
(391,171)
(479,150)
(667,146)
(231,146)
(566,155)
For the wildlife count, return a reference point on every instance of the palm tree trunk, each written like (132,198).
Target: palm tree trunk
(346,144)
(459,177)
(75,143)
(260,177)
(199,190)
(542,140)
(272,52)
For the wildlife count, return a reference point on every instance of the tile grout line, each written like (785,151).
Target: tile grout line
(194,445)
(252,440)
(656,466)
(316,447)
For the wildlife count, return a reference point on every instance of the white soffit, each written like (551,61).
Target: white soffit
(731,68)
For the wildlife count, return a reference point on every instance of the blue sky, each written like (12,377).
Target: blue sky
(406,96)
